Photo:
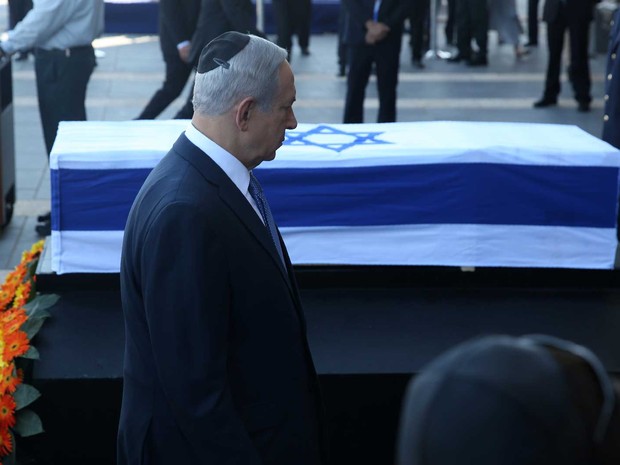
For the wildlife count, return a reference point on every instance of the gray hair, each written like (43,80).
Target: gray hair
(253,72)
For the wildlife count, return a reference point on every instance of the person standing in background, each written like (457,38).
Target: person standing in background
(17,11)
(532,23)
(215,18)
(611,118)
(472,21)
(449,29)
(504,19)
(293,17)
(177,23)
(61,33)
(419,25)
(373,35)
(342,48)
(574,16)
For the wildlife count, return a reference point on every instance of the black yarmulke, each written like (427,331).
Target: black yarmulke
(220,50)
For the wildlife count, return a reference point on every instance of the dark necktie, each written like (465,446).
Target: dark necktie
(256,191)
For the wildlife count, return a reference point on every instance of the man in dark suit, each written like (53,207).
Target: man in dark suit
(373,33)
(217,365)
(532,23)
(419,30)
(217,17)
(177,22)
(293,17)
(472,22)
(574,15)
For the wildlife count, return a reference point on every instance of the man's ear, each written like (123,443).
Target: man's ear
(244,112)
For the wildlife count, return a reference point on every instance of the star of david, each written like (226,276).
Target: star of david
(331,138)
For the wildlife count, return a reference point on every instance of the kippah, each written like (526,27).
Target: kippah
(220,50)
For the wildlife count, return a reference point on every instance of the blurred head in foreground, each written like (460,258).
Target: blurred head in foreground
(501,400)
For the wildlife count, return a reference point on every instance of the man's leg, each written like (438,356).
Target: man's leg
(360,64)
(62,79)
(387,54)
(177,73)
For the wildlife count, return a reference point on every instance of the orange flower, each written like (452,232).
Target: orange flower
(33,253)
(10,379)
(37,248)
(7,411)
(15,344)
(13,314)
(6,443)
(6,297)
(16,277)
(22,294)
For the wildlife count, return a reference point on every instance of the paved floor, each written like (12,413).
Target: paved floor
(132,70)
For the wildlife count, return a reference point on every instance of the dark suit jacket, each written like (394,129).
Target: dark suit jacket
(217,366)
(391,12)
(219,16)
(177,23)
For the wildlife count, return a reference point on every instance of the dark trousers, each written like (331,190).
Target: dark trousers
(187,110)
(385,55)
(418,22)
(579,68)
(177,73)
(532,21)
(18,10)
(62,77)
(472,21)
(342,48)
(292,17)
(450,27)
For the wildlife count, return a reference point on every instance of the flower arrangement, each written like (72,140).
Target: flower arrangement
(22,313)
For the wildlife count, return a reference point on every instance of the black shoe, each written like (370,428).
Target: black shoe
(531,44)
(417,63)
(478,61)
(546,102)
(44,229)
(44,217)
(305,52)
(583,107)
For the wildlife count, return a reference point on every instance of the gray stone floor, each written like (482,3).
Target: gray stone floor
(132,70)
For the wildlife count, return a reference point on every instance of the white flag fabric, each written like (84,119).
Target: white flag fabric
(429,193)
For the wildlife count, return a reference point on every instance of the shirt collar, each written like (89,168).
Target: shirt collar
(234,169)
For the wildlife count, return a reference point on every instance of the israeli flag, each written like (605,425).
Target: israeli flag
(431,193)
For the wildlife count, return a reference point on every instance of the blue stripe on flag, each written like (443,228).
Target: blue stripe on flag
(455,193)
(94,200)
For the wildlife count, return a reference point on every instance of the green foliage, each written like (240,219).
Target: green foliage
(25,395)
(28,423)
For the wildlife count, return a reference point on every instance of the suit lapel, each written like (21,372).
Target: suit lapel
(232,197)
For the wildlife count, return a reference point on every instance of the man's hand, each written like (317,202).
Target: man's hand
(184,52)
(376,31)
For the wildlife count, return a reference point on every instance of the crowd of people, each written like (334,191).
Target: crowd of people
(467,27)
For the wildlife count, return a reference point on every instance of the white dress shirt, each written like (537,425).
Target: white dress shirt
(234,169)
(57,24)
